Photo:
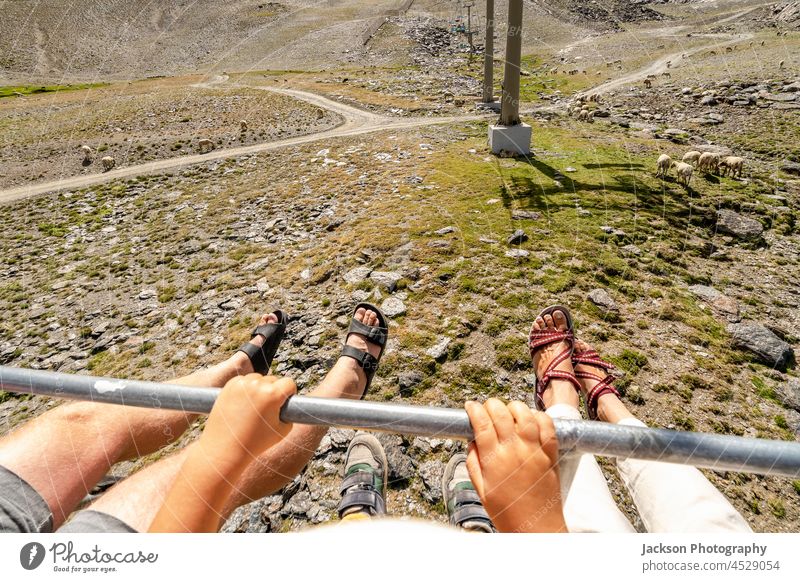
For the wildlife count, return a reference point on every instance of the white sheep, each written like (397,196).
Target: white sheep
(108,163)
(683,173)
(243,125)
(708,163)
(663,165)
(691,157)
(583,115)
(732,164)
(88,154)
(205,145)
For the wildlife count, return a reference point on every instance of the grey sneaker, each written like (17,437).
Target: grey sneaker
(366,471)
(464,507)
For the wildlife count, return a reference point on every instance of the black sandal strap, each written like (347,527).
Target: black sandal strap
(366,361)
(261,356)
(374,334)
(367,498)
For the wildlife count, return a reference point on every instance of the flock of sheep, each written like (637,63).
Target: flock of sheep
(108,162)
(708,162)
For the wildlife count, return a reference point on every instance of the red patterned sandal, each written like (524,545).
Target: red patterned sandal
(604,383)
(538,338)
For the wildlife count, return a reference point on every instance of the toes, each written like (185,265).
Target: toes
(548,320)
(581,346)
(560,320)
(268,318)
(539,323)
(361,315)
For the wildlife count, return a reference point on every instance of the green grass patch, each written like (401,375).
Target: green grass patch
(21,90)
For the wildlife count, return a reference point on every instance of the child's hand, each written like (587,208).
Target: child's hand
(244,421)
(513,464)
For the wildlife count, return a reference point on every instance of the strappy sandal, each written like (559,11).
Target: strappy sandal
(538,338)
(261,356)
(376,335)
(604,383)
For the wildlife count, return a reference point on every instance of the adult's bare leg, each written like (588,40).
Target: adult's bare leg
(137,499)
(64,452)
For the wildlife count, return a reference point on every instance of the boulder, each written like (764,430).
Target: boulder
(734,224)
(602,299)
(439,351)
(386,279)
(355,276)
(393,307)
(789,394)
(717,300)
(518,237)
(768,347)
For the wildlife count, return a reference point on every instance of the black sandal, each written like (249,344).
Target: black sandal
(261,356)
(376,335)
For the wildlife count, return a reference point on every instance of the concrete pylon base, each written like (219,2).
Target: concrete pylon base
(515,139)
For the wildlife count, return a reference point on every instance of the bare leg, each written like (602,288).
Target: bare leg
(137,499)
(64,452)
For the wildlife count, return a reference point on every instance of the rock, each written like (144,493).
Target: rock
(355,276)
(790,167)
(341,437)
(631,250)
(298,505)
(431,473)
(734,224)
(386,279)
(602,299)
(232,304)
(789,394)
(407,381)
(393,307)
(767,346)
(708,100)
(147,294)
(781,97)
(517,253)
(518,237)
(717,300)
(445,230)
(439,351)
(525,215)
(401,467)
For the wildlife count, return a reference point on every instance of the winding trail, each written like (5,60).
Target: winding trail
(355,122)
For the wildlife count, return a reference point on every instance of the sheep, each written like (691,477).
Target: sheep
(205,145)
(780,65)
(708,163)
(648,83)
(728,49)
(683,173)
(243,125)
(663,165)
(666,74)
(732,164)
(691,157)
(108,163)
(585,115)
(88,154)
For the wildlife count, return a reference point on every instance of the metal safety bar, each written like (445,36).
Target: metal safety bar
(718,452)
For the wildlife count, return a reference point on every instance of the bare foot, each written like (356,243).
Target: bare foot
(557,391)
(609,407)
(240,359)
(358,341)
